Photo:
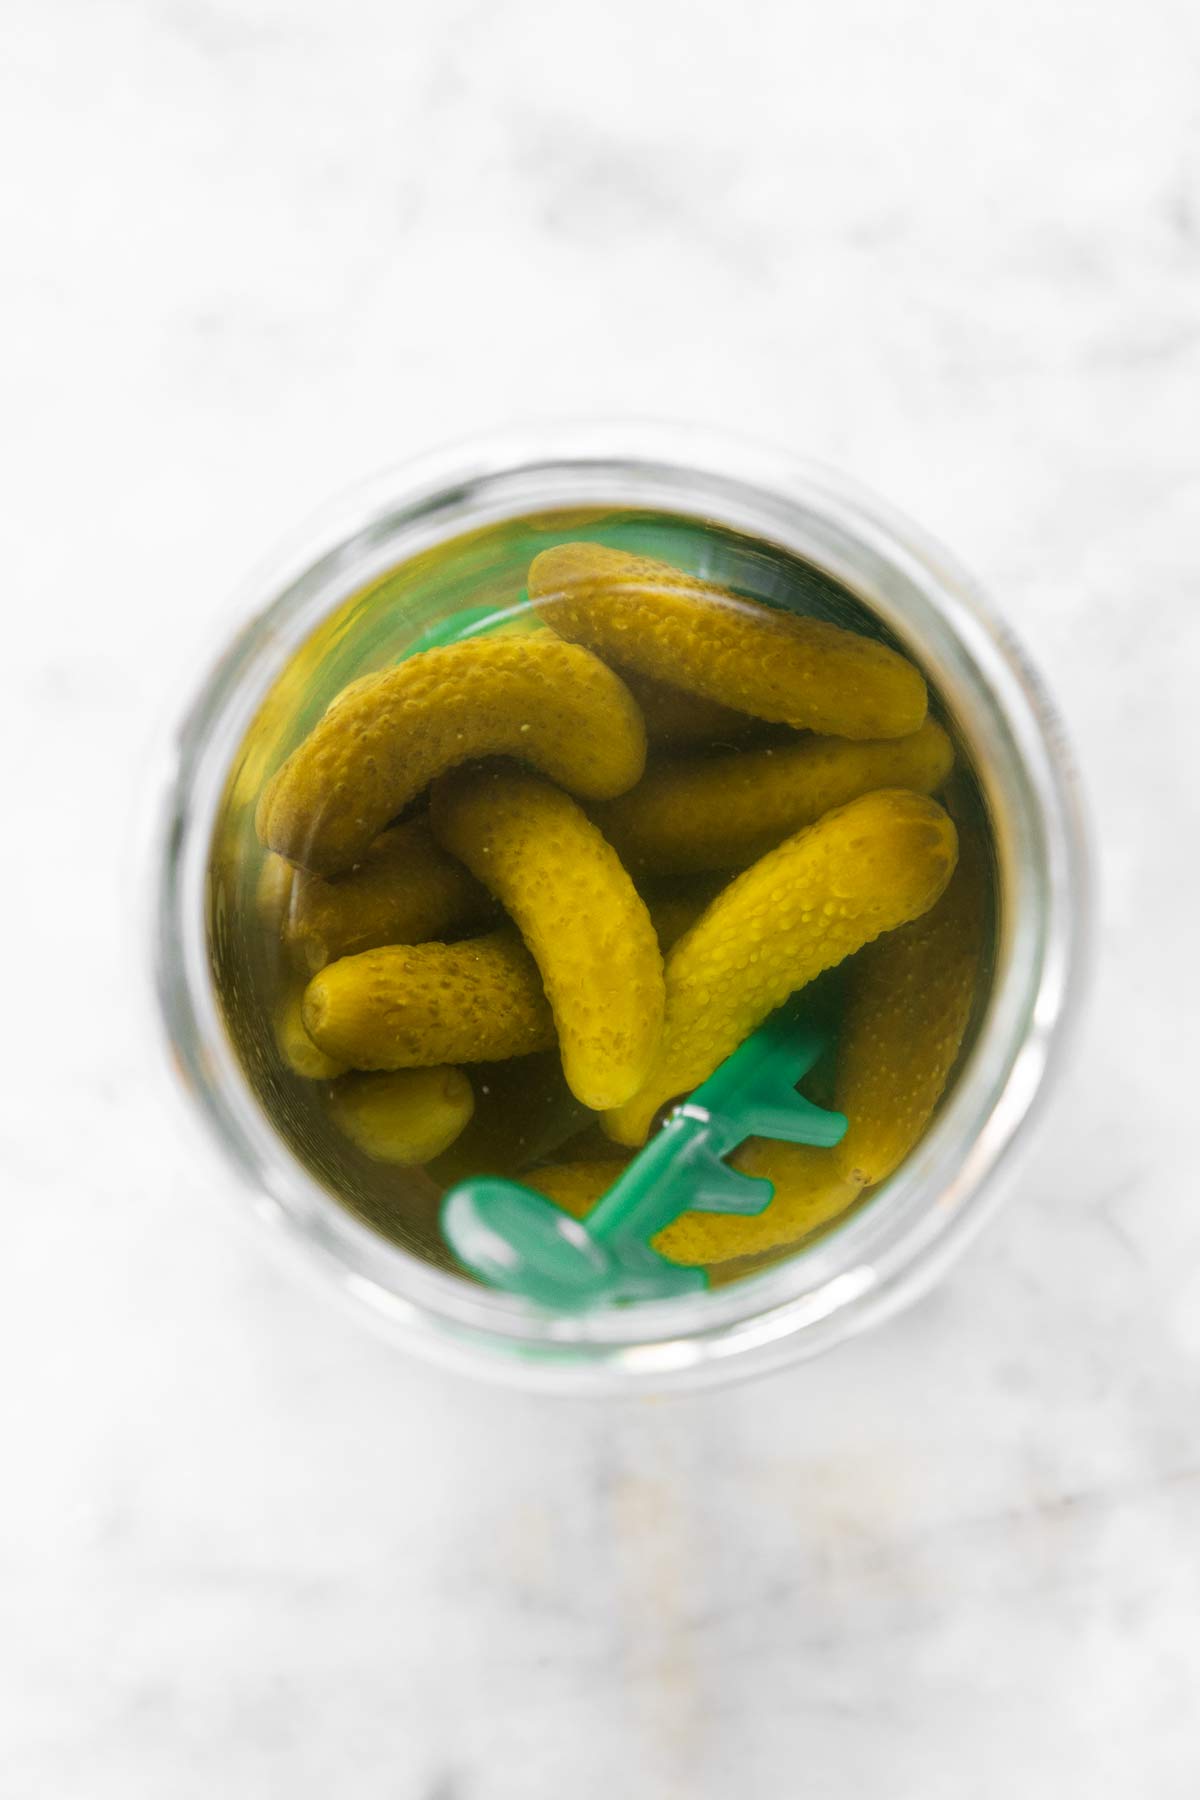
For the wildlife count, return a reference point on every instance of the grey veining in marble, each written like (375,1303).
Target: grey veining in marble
(253,249)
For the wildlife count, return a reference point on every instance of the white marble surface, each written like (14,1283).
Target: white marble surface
(253,249)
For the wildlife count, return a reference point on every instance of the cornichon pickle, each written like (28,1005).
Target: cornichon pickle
(578,912)
(908,1002)
(406,890)
(776,665)
(404,1116)
(724,812)
(302,1056)
(415,1005)
(552,704)
(804,907)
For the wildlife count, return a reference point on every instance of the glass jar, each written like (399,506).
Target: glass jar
(890,1250)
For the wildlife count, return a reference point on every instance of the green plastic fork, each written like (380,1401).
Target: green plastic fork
(512,1237)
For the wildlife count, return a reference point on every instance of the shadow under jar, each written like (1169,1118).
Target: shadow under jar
(355,596)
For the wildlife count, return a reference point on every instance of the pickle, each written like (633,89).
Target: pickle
(724,812)
(780,666)
(580,915)
(413,1006)
(405,1116)
(550,703)
(406,890)
(302,1056)
(908,1003)
(804,907)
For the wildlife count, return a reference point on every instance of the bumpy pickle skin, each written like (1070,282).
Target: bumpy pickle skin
(908,1002)
(406,890)
(724,812)
(411,1006)
(774,665)
(865,869)
(580,915)
(302,1056)
(550,703)
(405,1116)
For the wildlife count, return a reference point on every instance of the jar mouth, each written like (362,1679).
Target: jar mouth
(880,1256)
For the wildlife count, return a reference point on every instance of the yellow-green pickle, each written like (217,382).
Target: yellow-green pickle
(536,830)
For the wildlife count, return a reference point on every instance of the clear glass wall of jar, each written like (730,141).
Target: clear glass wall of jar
(882,1255)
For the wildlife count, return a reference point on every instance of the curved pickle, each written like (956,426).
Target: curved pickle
(775,665)
(823,894)
(550,703)
(580,916)
(908,1003)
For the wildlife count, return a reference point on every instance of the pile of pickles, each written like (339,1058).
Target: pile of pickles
(596,849)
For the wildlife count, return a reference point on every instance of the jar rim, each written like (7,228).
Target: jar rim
(887,1252)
